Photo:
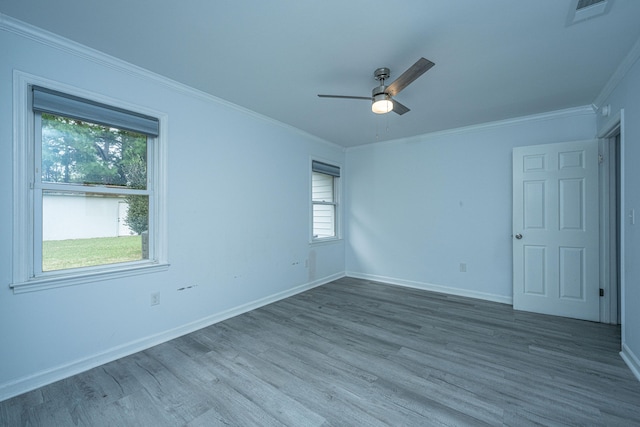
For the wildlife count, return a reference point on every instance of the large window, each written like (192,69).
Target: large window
(93,206)
(324,199)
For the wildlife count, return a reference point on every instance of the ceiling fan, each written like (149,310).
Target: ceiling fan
(382,96)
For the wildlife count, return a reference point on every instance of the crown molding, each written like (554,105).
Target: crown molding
(568,112)
(620,73)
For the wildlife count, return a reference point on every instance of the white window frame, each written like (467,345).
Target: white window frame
(25,277)
(336,203)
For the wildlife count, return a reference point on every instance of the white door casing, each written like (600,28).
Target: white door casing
(556,229)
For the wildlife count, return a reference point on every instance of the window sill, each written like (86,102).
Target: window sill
(72,279)
(325,241)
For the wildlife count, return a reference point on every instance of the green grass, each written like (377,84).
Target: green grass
(62,254)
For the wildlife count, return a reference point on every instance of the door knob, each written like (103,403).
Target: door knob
(518,236)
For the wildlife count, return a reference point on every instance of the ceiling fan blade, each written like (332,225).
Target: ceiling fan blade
(415,71)
(399,108)
(368,98)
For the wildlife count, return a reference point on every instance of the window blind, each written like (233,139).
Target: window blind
(325,168)
(61,104)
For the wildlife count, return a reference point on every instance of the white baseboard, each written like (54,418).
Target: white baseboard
(48,376)
(632,361)
(435,288)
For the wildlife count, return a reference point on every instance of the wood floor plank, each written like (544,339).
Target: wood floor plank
(357,353)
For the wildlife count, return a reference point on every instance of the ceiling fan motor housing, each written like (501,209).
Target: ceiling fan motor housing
(378,90)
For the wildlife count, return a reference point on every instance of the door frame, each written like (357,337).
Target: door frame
(612,242)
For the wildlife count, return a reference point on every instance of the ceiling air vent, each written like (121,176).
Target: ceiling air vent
(582,10)
(586,3)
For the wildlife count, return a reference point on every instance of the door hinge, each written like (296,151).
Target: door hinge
(600,158)
(601,292)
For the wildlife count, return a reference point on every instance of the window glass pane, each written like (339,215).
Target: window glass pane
(89,229)
(322,187)
(324,221)
(78,152)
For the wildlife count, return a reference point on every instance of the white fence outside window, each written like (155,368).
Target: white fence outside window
(72,216)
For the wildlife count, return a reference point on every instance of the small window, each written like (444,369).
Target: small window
(92,196)
(324,199)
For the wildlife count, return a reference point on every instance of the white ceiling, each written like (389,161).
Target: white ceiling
(495,59)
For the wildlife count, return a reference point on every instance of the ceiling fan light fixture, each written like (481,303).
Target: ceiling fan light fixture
(382,104)
(381,95)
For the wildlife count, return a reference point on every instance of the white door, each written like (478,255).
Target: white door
(556,229)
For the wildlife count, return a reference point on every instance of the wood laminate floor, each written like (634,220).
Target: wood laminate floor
(359,353)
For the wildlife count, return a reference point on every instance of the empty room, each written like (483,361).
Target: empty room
(330,213)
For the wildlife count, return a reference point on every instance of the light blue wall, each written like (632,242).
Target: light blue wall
(626,95)
(238,223)
(419,207)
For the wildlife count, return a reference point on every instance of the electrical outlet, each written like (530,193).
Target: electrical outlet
(155,298)
(463,267)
